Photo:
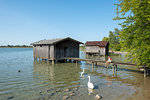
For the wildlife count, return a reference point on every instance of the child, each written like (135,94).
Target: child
(107,62)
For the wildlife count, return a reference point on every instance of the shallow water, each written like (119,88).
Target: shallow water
(39,80)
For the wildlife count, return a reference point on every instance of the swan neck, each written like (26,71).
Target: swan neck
(89,79)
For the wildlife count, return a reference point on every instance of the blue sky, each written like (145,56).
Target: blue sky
(27,21)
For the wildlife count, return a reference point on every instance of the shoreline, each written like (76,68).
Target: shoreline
(16,47)
(118,52)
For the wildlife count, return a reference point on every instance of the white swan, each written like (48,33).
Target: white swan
(90,85)
(82,73)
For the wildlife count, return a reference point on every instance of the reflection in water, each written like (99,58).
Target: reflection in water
(90,91)
(59,75)
(109,81)
(44,69)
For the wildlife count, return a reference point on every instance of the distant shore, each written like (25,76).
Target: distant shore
(17,47)
(118,52)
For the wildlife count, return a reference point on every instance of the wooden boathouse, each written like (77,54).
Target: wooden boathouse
(56,49)
(97,47)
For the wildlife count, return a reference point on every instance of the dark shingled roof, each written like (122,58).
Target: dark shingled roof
(54,41)
(96,43)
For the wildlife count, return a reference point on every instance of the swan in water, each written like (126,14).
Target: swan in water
(90,85)
(82,73)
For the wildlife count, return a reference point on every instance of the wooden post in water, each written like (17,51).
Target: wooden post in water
(53,62)
(116,67)
(76,62)
(144,72)
(113,67)
(92,64)
(95,63)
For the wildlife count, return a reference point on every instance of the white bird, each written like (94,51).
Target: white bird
(82,73)
(90,85)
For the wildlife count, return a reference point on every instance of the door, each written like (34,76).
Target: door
(65,51)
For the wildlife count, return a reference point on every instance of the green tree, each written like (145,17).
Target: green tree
(114,39)
(135,34)
(105,39)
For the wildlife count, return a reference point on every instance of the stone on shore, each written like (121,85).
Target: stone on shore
(67,90)
(65,97)
(11,97)
(97,97)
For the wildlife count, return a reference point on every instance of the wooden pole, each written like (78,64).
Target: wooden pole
(144,72)
(113,68)
(53,62)
(116,67)
(95,63)
(76,62)
(92,64)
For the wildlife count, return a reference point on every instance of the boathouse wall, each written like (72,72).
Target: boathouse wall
(96,50)
(97,47)
(66,49)
(41,51)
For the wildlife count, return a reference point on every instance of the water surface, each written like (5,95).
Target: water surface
(40,80)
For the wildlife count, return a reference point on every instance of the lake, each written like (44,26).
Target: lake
(40,80)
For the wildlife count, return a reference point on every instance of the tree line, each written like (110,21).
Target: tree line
(24,46)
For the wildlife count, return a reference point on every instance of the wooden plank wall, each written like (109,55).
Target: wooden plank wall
(41,51)
(52,52)
(72,49)
(95,49)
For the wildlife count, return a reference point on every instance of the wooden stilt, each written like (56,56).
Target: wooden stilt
(144,72)
(53,62)
(116,67)
(95,63)
(113,67)
(92,64)
(76,62)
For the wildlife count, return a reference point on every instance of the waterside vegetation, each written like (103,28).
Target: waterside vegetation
(134,35)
